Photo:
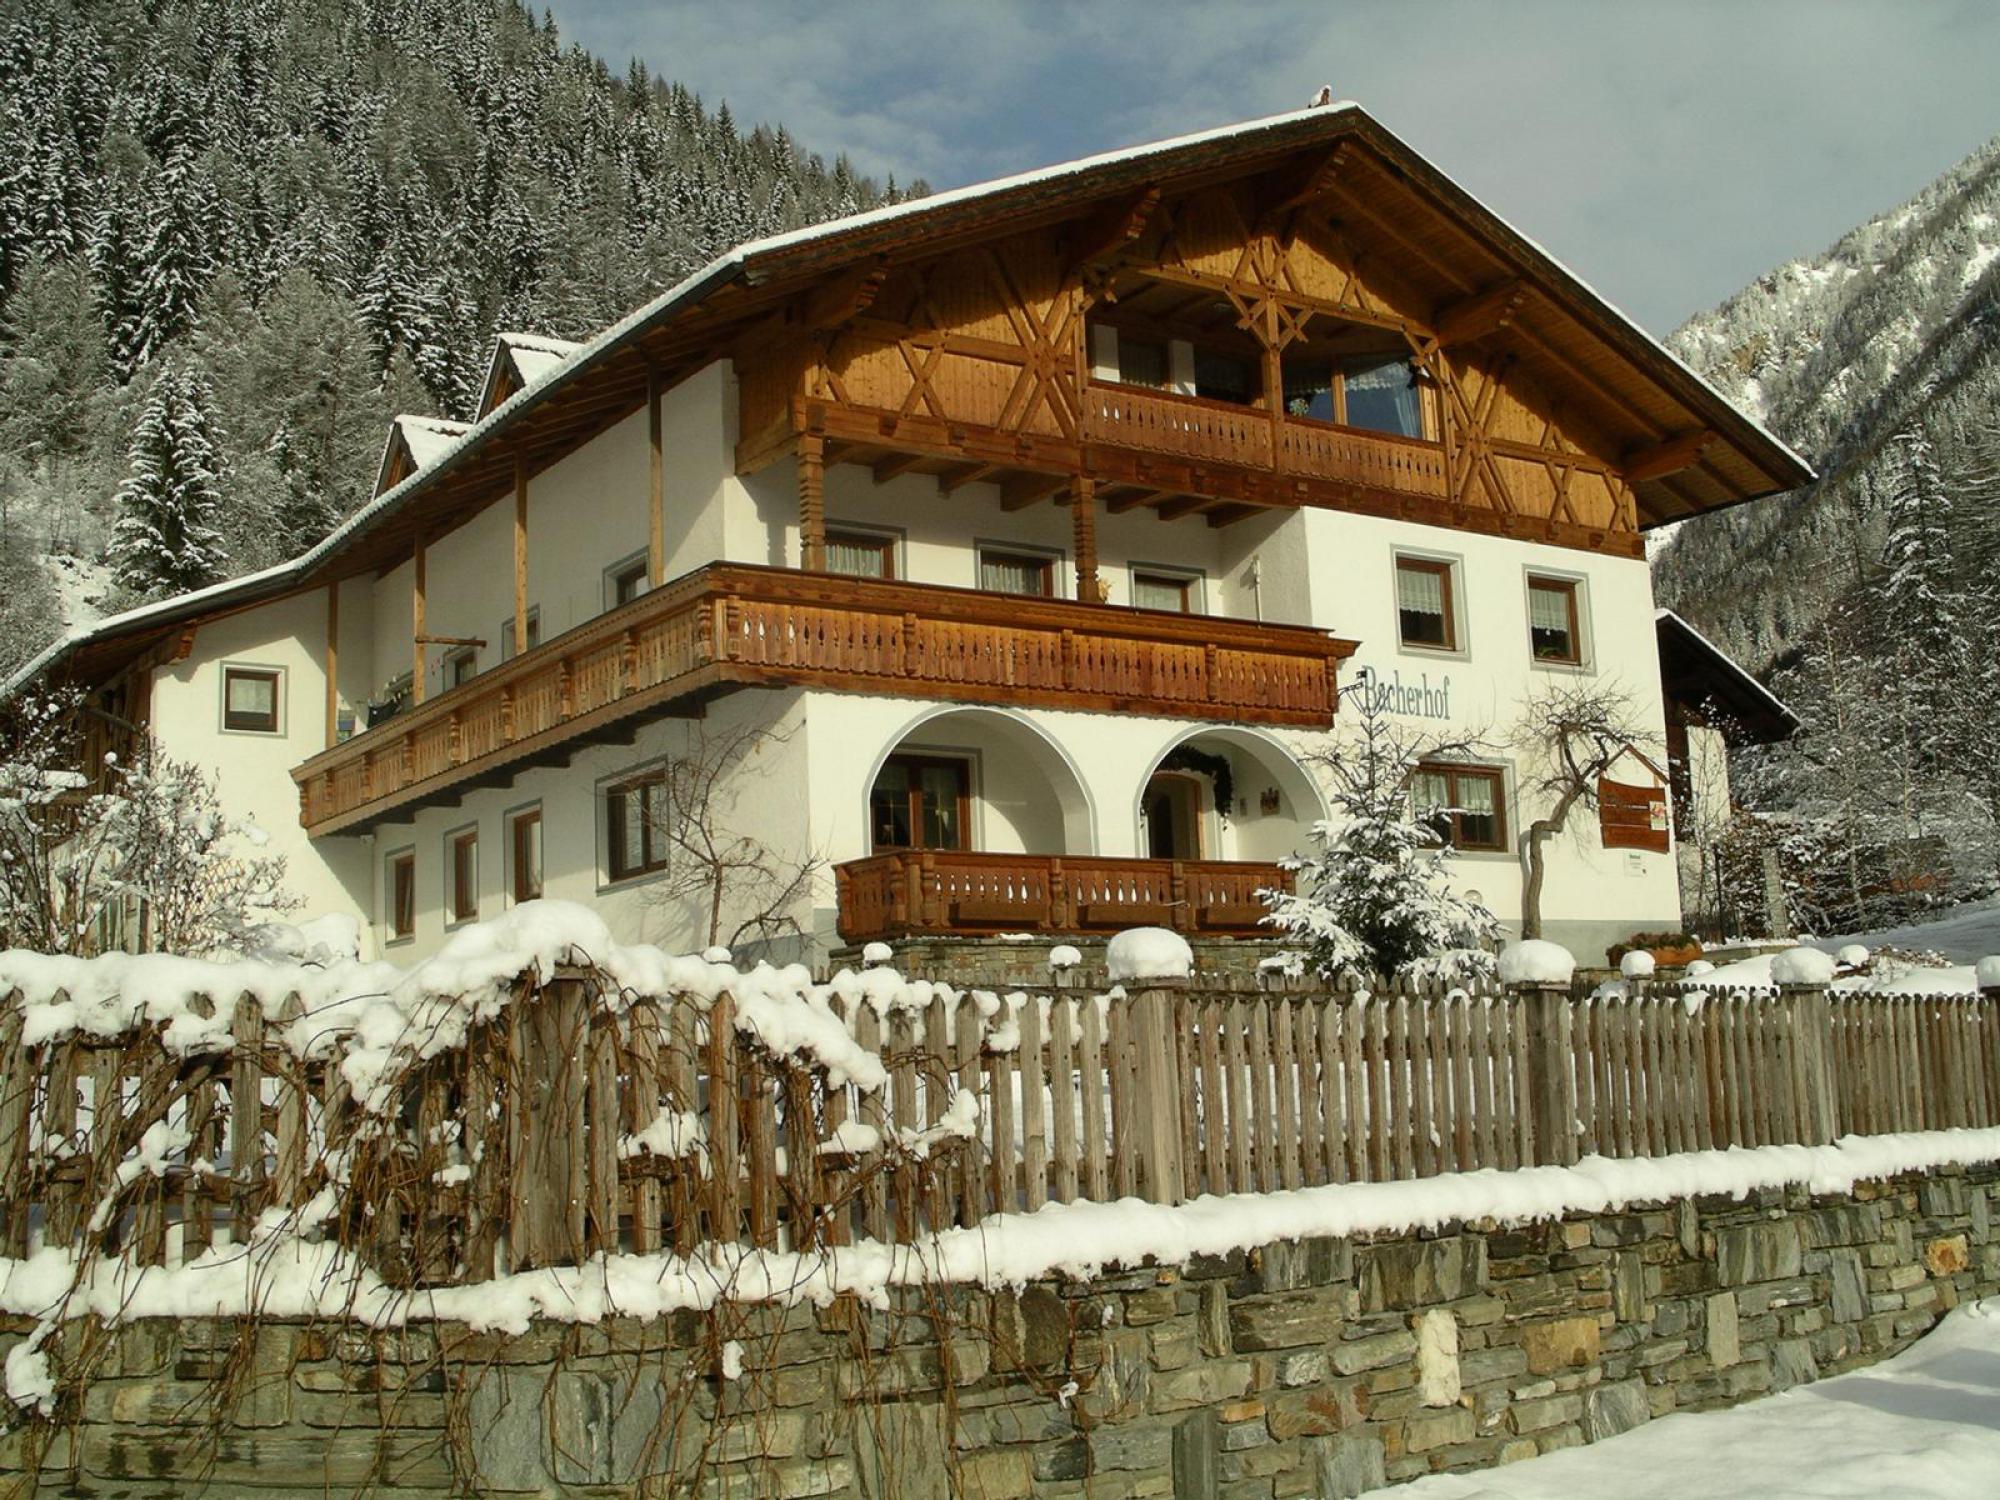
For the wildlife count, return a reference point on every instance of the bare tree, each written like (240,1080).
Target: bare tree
(724,874)
(1571,734)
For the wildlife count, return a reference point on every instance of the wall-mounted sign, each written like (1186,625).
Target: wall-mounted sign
(1421,699)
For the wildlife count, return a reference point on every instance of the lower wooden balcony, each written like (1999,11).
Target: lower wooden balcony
(920,892)
(731,625)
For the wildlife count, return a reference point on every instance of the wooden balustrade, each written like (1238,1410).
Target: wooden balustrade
(1220,432)
(957,891)
(732,625)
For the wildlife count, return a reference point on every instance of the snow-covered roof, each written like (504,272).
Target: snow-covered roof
(424,439)
(520,360)
(1761,712)
(746,261)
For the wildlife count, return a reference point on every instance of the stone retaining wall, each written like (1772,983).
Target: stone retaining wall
(1001,963)
(1318,1368)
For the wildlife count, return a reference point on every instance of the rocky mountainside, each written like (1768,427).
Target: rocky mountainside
(1899,321)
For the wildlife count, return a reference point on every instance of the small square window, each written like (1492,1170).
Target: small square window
(462,850)
(250,699)
(1553,628)
(625,582)
(524,852)
(402,884)
(1168,591)
(636,828)
(861,554)
(1016,573)
(507,633)
(461,666)
(1426,613)
(1465,805)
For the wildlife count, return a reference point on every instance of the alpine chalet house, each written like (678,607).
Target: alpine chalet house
(1015,539)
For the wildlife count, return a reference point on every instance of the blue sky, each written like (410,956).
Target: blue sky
(1669,151)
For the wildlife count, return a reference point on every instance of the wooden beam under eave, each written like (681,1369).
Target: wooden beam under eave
(1112,228)
(1297,185)
(1467,318)
(1668,456)
(1031,489)
(899,464)
(1134,499)
(959,478)
(1186,505)
(520,555)
(1229,515)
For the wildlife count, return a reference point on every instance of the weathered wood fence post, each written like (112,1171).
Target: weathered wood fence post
(1551,1105)
(1812,1060)
(549,1029)
(1155,1014)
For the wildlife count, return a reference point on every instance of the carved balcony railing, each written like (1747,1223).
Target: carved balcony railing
(1188,427)
(958,893)
(731,625)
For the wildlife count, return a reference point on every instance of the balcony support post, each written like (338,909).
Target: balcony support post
(332,664)
(417,623)
(812,502)
(520,554)
(1083,523)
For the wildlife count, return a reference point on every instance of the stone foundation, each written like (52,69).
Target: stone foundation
(999,963)
(1319,1368)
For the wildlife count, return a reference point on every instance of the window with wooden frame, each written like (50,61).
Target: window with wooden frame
(1372,392)
(861,554)
(1143,361)
(635,825)
(625,581)
(1467,805)
(524,855)
(1028,573)
(1158,589)
(1555,632)
(250,699)
(461,666)
(1426,612)
(507,633)
(461,851)
(401,891)
(921,802)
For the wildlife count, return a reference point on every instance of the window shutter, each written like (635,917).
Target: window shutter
(1632,817)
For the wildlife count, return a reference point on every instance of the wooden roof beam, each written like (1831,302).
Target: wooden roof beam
(898,464)
(1669,456)
(958,478)
(1134,498)
(1031,489)
(1186,505)
(1466,318)
(1297,185)
(1112,228)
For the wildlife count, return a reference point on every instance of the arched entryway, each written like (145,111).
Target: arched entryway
(977,779)
(1227,794)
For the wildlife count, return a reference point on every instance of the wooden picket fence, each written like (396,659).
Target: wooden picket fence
(578,1124)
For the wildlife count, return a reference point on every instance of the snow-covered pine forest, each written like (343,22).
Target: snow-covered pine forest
(237,236)
(1870,601)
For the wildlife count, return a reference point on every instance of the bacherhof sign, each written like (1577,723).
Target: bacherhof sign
(1421,699)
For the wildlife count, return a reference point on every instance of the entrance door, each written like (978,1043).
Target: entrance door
(1172,810)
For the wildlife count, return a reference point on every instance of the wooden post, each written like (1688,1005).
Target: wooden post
(417,624)
(1154,1013)
(548,1183)
(1812,1046)
(520,554)
(812,502)
(332,663)
(656,492)
(1083,522)
(1552,1102)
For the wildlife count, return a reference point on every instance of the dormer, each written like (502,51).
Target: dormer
(519,361)
(414,443)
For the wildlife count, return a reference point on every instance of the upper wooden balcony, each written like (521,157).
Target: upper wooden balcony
(731,625)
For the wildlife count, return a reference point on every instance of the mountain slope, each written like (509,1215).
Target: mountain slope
(1835,354)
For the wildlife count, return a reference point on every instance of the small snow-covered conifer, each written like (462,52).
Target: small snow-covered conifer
(165,540)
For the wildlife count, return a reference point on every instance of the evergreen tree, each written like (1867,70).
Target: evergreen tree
(1374,896)
(166,540)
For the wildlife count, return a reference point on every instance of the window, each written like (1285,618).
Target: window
(921,802)
(1224,377)
(623,582)
(1169,591)
(1142,361)
(1553,632)
(1465,804)
(861,554)
(1381,395)
(635,818)
(402,883)
(461,666)
(1309,389)
(524,855)
(1016,573)
(462,871)
(250,699)
(1425,614)
(507,633)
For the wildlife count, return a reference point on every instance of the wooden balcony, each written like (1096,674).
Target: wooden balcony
(1205,432)
(915,892)
(731,625)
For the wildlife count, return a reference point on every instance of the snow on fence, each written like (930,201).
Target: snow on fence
(567,1114)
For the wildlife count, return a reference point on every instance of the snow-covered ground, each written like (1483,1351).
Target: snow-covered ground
(1965,934)
(1922,1426)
